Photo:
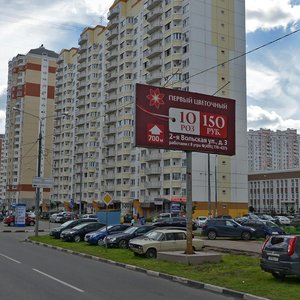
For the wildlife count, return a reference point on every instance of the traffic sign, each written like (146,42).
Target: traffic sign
(42,182)
(107,199)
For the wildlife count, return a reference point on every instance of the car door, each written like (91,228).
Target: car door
(168,242)
(231,229)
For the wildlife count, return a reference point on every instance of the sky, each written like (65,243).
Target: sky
(273,72)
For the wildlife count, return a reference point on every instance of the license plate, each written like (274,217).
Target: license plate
(272,258)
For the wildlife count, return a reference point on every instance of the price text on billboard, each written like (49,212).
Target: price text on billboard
(178,120)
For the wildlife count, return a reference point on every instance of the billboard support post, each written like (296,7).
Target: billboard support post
(189,205)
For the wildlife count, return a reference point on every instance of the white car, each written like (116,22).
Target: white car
(160,240)
(282,220)
(200,220)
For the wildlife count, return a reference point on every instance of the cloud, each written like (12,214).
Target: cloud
(261,118)
(271,14)
(2,121)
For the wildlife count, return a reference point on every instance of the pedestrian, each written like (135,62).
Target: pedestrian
(132,221)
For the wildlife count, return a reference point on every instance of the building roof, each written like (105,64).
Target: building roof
(41,50)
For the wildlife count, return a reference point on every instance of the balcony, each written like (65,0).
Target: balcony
(111,76)
(154,38)
(112,44)
(109,141)
(112,33)
(152,4)
(154,26)
(155,13)
(111,87)
(155,51)
(156,77)
(114,22)
(153,171)
(154,64)
(82,57)
(153,185)
(155,156)
(111,108)
(113,13)
(109,130)
(110,119)
(83,38)
(111,55)
(112,65)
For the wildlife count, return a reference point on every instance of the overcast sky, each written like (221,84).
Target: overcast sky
(273,73)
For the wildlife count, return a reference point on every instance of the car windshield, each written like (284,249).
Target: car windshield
(131,229)
(104,228)
(66,223)
(80,226)
(271,224)
(153,235)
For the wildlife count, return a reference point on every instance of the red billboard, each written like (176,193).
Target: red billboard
(179,120)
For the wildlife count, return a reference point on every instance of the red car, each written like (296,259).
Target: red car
(10,220)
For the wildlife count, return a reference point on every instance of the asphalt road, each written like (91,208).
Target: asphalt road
(33,272)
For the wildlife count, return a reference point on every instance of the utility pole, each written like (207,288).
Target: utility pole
(208,186)
(37,195)
(216,188)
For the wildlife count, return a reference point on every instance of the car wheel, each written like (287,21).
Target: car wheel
(211,235)
(246,235)
(77,238)
(278,276)
(100,242)
(123,244)
(12,224)
(151,253)
(31,223)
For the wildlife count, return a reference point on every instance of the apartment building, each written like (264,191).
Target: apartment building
(275,191)
(273,150)
(2,188)
(30,103)
(161,43)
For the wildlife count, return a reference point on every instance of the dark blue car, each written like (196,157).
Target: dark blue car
(226,228)
(96,237)
(263,229)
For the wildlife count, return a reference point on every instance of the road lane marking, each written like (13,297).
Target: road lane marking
(14,260)
(60,281)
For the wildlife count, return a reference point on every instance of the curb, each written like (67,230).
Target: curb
(20,230)
(180,280)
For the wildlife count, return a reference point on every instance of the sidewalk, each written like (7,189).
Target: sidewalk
(250,247)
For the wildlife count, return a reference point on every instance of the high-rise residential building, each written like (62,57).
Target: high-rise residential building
(273,150)
(2,187)
(29,111)
(181,44)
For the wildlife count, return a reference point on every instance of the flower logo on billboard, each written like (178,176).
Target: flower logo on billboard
(156,98)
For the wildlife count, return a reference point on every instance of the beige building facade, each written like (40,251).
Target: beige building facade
(30,110)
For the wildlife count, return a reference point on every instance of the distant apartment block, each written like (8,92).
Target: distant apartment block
(273,150)
(275,191)
(161,43)
(30,110)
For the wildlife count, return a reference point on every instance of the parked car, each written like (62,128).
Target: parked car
(63,217)
(174,222)
(263,229)
(200,221)
(121,240)
(281,256)
(69,224)
(160,240)
(226,228)
(97,237)
(266,218)
(282,220)
(52,217)
(10,220)
(92,217)
(78,232)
